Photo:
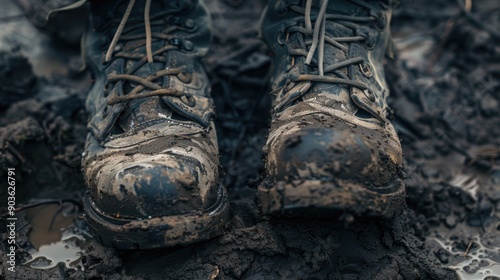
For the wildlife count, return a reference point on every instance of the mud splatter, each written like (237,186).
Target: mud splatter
(445,102)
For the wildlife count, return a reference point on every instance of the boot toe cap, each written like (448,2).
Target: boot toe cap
(330,153)
(155,186)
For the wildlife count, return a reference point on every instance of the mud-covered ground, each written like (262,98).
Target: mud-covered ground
(445,82)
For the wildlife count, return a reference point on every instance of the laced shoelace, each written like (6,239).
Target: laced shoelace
(320,37)
(146,87)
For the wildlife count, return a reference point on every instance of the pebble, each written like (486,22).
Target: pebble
(451,221)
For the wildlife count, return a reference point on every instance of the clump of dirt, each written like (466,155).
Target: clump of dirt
(443,91)
(17,80)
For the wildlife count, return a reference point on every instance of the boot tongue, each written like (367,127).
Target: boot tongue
(344,7)
(335,95)
(144,111)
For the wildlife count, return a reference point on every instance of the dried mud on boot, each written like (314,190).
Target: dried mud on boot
(445,112)
(329,198)
(151,159)
(330,145)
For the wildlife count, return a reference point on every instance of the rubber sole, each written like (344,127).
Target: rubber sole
(329,198)
(158,232)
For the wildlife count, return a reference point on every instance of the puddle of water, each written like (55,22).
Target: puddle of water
(47,222)
(480,263)
(54,242)
(67,251)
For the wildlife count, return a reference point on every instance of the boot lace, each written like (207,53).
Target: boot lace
(317,45)
(146,86)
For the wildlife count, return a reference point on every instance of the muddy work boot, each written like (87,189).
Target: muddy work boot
(331,148)
(151,157)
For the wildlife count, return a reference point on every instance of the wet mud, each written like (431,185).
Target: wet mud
(444,80)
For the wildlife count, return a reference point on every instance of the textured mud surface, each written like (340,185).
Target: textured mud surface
(445,83)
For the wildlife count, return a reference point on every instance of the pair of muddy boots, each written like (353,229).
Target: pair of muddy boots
(151,159)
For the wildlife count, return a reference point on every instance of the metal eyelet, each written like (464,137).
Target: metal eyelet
(187,45)
(182,44)
(189,23)
(184,76)
(188,99)
(366,70)
(369,94)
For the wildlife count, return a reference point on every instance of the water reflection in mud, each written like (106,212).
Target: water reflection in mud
(53,237)
(476,262)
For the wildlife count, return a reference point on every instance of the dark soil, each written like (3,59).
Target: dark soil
(445,82)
